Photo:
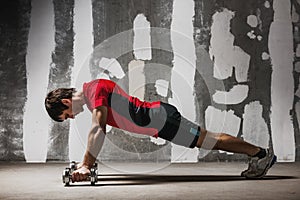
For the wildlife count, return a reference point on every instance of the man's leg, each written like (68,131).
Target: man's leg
(181,131)
(261,160)
(225,142)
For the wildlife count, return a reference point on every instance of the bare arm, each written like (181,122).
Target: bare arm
(96,136)
(95,142)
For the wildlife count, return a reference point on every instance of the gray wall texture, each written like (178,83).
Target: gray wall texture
(111,17)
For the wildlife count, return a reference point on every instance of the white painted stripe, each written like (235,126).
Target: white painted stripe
(83,47)
(235,95)
(136,79)
(83,40)
(282,82)
(142,38)
(255,129)
(40,46)
(222,51)
(183,71)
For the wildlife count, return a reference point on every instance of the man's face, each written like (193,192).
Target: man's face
(74,109)
(67,114)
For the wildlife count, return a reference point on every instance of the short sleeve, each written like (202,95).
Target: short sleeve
(101,101)
(101,95)
(96,93)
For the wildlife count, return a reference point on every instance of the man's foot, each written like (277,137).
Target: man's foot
(258,167)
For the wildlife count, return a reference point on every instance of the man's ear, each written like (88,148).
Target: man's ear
(67,102)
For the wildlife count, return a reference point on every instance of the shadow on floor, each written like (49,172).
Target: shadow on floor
(141,179)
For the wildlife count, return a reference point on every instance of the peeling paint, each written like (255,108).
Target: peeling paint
(112,66)
(235,95)
(267,4)
(162,87)
(252,21)
(103,76)
(251,35)
(136,79)
(40,45)
(282,84)
(222,121)
(265,56)
(259,38)
(158,141)
(183,71)
(232,26)
(117,42)
(255,129)
(222,51)
(142,38)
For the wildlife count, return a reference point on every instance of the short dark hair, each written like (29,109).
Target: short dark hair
(53,103)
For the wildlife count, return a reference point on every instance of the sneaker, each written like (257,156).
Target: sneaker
(258,167)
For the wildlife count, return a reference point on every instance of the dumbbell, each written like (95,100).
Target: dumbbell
(67,174)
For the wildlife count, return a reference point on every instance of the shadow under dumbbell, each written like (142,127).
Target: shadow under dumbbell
(142,179)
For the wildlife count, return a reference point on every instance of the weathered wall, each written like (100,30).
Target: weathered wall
(296,48)
(120,146)
(14,26)
(222,28)
(226,49)
(60,73)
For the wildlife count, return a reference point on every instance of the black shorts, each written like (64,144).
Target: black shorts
(166,119)
(174,127)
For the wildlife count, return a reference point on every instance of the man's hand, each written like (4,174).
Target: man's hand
(81,173)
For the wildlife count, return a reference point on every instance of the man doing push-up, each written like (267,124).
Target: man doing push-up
(110,104)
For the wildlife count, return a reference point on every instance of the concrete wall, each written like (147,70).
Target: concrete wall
(231,66)
(14,27)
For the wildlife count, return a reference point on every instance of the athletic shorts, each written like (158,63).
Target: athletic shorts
(165,119)
(173,127)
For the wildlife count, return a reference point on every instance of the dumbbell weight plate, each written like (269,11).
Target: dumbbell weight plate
(73,166)
(66,176)
(93,176)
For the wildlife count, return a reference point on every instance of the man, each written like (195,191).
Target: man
(110,105)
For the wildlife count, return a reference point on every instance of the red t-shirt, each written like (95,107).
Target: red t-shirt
(121,107)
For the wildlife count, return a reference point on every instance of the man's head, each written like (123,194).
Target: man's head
(58,104)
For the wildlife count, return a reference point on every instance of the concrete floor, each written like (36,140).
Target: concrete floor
(153,181)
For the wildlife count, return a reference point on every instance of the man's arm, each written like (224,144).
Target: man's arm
(95,142)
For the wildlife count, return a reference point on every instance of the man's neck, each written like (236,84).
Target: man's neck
(78,96)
